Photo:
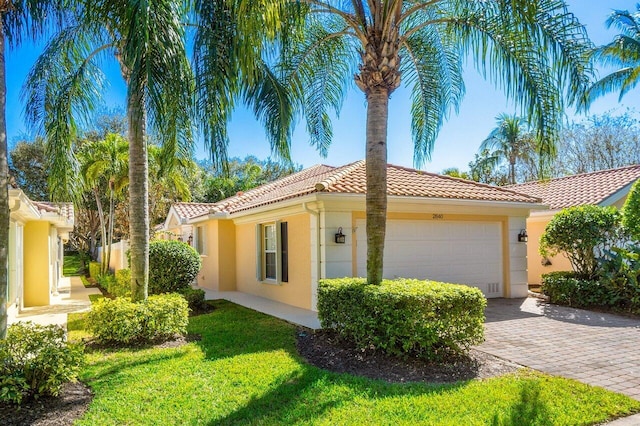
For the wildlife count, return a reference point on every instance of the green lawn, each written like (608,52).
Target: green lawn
(245,370)
(72,265)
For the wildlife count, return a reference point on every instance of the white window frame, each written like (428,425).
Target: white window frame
(261,253)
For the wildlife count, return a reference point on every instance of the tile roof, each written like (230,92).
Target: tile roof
(188,210)
(65,210)
(351,179)
(577,190)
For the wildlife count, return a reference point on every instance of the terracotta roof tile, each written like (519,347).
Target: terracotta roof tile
(351,179)
(63,209)
(577,190)
(189,210)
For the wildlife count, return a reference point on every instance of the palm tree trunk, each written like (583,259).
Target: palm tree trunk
(111,218)
(4,194)
(138,197)
(103,230)
(512,172)
(376,204)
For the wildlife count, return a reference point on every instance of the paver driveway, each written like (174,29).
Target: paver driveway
(598,349)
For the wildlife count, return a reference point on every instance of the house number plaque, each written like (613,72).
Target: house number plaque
(438,217)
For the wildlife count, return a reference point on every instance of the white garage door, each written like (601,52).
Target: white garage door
(456,252)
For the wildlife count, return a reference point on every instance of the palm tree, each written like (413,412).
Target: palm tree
(509,141)
(535,50)
(18,18)
(105,163)
(147,40)
(623,52)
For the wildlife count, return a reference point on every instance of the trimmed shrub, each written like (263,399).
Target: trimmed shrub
(106,281)
(584,234)
(194,297)
(173,265)
(568,288)
(620,273)
(121,287)
(94,269)
(404,317)
(36,360)
(122,321)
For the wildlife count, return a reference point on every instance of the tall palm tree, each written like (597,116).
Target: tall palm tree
(105,168)
(623,52)
(147,41)
(535,50)
(18,19)
(509,141)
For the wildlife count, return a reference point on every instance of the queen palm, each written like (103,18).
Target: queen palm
(509,141)
(623,52)
(18,18)
(535,50)
(147,41)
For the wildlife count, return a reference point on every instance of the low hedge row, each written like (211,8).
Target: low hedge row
(122,321)
(94,269)
(36,360)
(404,317)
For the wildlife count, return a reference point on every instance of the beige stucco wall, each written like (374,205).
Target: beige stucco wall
(37,280)
(218,260)
(297,291)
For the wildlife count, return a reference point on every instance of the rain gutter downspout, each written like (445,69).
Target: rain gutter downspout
(316,213)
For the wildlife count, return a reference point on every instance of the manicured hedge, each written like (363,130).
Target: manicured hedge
(173,266)
(94,269)
(568,288)
(36,360)
(122,321)
(404,317)
(121,287)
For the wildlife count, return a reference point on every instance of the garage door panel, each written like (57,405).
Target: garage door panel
(457,252)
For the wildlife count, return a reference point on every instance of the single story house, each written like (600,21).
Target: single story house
(37,232)
(601,188)
(277,240)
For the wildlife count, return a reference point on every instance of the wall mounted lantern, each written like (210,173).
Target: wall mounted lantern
(522,236)
(190,240)
(340,237)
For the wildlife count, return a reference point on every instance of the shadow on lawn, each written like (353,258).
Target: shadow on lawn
(529,410)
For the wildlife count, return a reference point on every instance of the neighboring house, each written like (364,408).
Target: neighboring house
(277,240)
(602,188)
(37,232)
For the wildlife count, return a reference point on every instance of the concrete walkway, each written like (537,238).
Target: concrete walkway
(72,297)
(594,348)
(298,316)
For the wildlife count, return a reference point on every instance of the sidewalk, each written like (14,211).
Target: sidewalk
(72,297)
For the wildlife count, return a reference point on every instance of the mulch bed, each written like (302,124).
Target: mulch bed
(62,410)
(326,350)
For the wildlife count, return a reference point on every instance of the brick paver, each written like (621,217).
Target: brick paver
(594,348)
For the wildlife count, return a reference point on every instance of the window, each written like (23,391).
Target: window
(200,240)
(272,252)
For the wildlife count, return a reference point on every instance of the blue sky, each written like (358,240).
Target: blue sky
(455,147)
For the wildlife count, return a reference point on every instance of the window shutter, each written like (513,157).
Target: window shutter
(278,251)
(284,252)
(259,252)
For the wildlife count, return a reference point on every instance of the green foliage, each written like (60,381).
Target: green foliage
(404,317)
(122,285)
(105,281)
(173,265)
(36,361)
(583,234)
(28,166)
(631,212)
(122,321)
(94,269)
(194,297)
(620,274)
(568,288)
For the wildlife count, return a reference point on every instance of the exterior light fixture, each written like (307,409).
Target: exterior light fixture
(340,237)
(190,240)
(522,236)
